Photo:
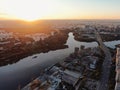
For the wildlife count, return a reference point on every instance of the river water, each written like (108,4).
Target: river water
(23,71)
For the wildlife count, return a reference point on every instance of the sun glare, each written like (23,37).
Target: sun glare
(27,9)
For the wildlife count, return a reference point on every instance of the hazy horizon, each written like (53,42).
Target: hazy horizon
(59,9)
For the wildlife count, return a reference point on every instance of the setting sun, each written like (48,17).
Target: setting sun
(30,10)
(59,44)
(27,9)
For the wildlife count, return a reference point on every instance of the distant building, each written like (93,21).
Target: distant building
(117,86)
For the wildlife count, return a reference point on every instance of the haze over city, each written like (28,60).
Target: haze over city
(59,44)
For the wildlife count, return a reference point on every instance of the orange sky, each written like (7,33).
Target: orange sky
(59,9)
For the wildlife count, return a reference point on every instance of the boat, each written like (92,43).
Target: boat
(66,75)
(34,57)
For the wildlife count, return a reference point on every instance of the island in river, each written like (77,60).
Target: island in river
(31,65)
(87,69)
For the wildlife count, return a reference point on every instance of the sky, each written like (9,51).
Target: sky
(59,9)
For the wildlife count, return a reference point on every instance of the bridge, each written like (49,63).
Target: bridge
(104,80)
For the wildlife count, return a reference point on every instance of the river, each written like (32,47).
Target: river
(23,71)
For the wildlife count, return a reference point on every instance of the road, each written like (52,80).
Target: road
(103,83)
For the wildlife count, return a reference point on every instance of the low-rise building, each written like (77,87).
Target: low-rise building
(117,86)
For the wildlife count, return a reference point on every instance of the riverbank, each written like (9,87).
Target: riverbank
(99,82)
(86,78)
(90,37)
(32,65)
(14,54)
(84,62)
